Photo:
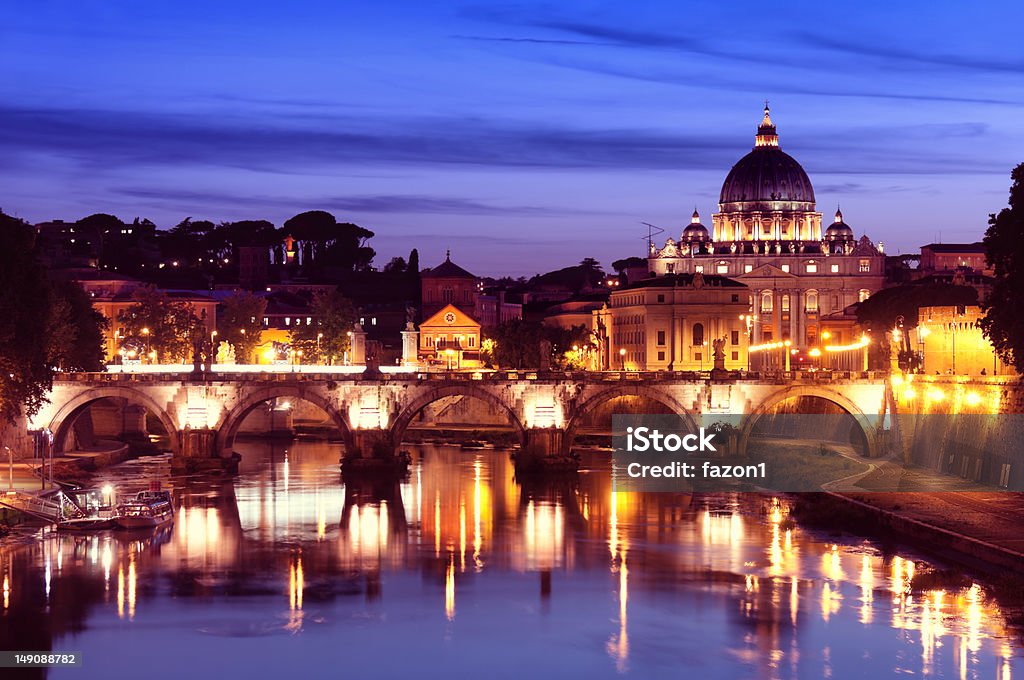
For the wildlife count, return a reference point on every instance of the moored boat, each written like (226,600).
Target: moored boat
(86,509)
(147,509)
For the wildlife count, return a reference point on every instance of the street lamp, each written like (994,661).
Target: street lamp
(145,333)
(622,358)
(448,353)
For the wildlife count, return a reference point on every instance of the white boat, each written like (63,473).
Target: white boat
(147,509)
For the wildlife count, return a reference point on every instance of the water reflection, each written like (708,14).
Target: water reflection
(469,569)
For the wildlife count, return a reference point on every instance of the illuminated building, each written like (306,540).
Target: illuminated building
(671,323)
(768,235)
(950,341)
(450,338)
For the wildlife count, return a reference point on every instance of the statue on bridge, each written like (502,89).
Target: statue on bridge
(718,353)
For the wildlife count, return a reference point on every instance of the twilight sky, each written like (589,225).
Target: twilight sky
(523,136)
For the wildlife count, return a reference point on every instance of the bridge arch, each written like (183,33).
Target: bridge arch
(654,394)
(64,418)
(796,391)
(406,415)
(232,421)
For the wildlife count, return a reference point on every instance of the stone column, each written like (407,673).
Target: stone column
(410,345)
(357,352)
(794,311)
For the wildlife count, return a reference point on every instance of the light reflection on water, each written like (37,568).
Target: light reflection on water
(461,569)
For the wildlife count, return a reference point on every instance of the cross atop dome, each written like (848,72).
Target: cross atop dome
(766,132)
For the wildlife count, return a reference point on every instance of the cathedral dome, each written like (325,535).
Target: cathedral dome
(695,231)
(767,178)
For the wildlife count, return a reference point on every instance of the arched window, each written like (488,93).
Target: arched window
(785,303)
(698,334)
(766,301)
(812,301)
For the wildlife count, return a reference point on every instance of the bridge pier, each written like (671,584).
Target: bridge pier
(198,451)
(545,450)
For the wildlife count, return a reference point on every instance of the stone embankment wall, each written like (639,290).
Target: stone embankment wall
(968,427)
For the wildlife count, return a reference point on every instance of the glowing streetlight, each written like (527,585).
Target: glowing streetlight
(449,353)
(622,358)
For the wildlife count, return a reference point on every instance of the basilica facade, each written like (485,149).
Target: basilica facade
(769,236)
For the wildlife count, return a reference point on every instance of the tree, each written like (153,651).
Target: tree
(75,333)
(328,243)
(26,372)
(396,265)
(1003,322)
(622,265)
(518,343)
(327,340)
(160,327)
(240,323)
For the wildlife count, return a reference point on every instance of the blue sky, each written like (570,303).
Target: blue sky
(523,136)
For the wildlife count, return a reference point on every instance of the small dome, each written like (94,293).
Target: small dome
(839,230)
(695,231)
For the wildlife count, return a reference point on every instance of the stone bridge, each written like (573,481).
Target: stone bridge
(202,414)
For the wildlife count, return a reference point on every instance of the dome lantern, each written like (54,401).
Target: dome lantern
(767,135)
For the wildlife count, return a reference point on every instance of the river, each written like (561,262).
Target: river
(283,570)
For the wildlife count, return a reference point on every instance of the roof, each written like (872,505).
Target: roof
(976,247)
(447,270)
(674,280)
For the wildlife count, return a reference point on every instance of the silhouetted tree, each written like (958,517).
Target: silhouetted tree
(395,265)
(26,372)
(329,243)
(1003,322)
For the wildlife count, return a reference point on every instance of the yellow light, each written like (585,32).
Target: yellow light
(787,343)
(815,352)
(973,398)
(145,331)
(269,354)
(825,335)
(923,331)
(935,394)
(897,380)
(909,393)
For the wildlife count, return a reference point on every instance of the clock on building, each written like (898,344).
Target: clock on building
(449,318)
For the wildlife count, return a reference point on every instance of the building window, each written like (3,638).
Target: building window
(661,298)
(735,298)
(863,294)
(447,295)
(698,334)
(698,356)
(723,268)
(735,337)
(429,340)
(661,337)
(735,356)
(812,301)
(864,266)
(835,302)
(670,268)
(785,268)
(785,303)
(747,268)
(699,268)
(766,301)
(812,267)
(835,269)
(472,341)
(661,356)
